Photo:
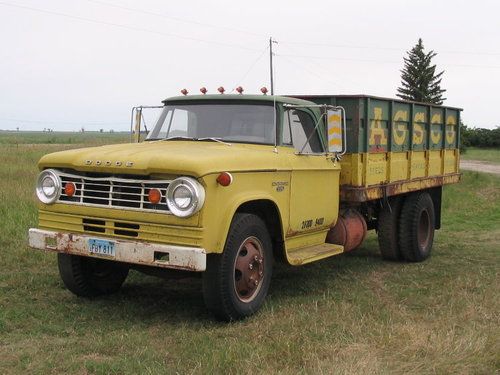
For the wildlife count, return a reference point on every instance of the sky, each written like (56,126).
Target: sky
(72,64)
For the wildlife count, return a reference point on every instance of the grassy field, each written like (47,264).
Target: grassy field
(483,154)
(351,314)
(65,138)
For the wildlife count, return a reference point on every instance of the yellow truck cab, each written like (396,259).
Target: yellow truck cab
(224,185)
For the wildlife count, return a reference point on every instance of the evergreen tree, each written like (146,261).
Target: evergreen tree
(419,81)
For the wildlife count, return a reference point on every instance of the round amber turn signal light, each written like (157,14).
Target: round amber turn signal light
(69,189)
(154,196)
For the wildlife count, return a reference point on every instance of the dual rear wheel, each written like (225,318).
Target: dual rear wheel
(406,228)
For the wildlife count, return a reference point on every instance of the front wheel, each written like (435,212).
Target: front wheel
(90,277)
(236,282)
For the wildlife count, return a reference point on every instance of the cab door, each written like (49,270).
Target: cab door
(314,192)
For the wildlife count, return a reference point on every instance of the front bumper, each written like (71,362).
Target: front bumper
(135,252)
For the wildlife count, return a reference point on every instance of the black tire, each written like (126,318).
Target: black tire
(247,257)
(90,277)
(388,230)
(416,227)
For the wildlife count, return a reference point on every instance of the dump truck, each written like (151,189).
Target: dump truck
(225,185)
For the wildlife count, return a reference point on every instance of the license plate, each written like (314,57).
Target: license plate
(101,247)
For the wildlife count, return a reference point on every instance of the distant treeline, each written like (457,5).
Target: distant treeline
(480,137)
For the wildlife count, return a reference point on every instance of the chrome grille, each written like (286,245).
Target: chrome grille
(114,192)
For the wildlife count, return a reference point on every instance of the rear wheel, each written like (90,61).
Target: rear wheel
(89,277)
(416,227)
(388,229)
(236,282)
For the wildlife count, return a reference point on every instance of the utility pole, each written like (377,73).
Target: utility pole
(271,63)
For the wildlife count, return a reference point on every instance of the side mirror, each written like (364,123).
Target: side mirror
(336,130)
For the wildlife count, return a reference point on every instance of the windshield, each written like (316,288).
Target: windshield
(247,123)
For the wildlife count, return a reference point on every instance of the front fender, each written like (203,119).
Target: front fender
(221,203)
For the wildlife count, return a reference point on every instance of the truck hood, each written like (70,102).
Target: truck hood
(194,158)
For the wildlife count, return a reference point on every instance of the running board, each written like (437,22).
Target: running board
(303,255)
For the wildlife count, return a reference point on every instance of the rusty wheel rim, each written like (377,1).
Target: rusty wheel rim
(424,230)
(249,269)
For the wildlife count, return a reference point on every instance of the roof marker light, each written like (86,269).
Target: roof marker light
(225,179)
(184,92)
(203,90)
(239,89)
(221,90)
(264,90)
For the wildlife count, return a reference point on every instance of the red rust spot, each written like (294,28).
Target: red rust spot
(362,194)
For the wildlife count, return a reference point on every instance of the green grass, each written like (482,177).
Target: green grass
(87,138)
(351,314)
(484,154)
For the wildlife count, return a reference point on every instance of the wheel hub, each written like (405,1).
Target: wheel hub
(249,269)
(424,229)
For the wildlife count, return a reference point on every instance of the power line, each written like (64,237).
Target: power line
(384,61)
(251,67)
(316,65)
(323,78)
(122,26)
(384,48)
(177,19)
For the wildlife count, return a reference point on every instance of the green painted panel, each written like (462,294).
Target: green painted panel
(378,124)
(420,127)
(450,140)
(436,136)
(400,129)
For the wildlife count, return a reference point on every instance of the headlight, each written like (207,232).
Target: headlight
(48,187)
(185,196)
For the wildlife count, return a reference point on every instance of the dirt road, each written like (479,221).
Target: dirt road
(480,166)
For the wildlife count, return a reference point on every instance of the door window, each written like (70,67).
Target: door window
(300,126)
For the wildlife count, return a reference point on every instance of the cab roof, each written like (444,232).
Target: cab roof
(238,97)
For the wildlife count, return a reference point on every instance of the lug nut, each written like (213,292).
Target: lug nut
(250,266)
(256,282)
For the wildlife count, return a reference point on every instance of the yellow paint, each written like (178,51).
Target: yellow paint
(257,172)
(335,118)
(436,118)
(435,162)
(450,129)
(398,166)
(418,129)
(436,135)
(310,254)
(418,166)
(308,201)
(400,131)
(335,130)
(451,160)
(309,186)
(376,168)
(376,129)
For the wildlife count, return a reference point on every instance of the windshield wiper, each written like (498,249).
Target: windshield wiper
(178,137)
(214,139)
(182,137)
